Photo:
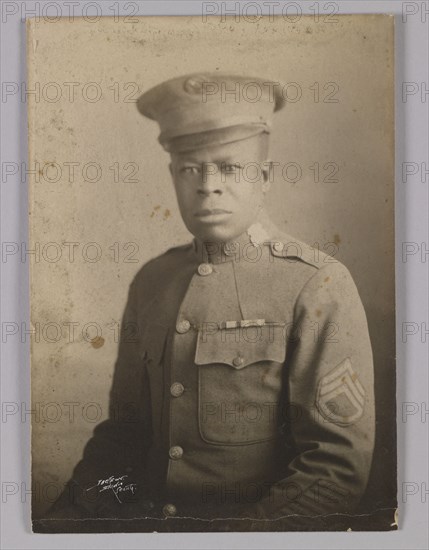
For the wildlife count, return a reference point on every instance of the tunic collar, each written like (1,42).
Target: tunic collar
(241,247)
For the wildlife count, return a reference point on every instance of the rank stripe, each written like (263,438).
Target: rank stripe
(345,365)
(343,369)
(354,387)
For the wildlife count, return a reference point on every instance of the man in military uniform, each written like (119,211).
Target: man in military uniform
(247,394)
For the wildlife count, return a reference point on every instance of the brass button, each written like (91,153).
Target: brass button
(205,269)
(169,510)
(278,247)
(177,389)
(237,361)
(183,326)
(175,452)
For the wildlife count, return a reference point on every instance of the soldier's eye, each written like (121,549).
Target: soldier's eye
(190,170)
(230,168)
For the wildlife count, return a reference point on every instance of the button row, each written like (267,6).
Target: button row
(169,510)
(238,361)
(183,326)
(205,269)
(177,389)
(175,452)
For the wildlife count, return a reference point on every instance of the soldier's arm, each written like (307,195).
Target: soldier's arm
(119,444)
(330,373)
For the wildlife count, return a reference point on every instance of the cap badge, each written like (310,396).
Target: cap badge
(194,84)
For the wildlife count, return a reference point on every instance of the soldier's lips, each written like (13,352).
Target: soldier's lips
(212,216)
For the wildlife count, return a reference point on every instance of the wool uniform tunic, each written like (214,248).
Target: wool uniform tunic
(243,387)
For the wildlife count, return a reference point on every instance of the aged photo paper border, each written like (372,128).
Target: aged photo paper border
(410,15)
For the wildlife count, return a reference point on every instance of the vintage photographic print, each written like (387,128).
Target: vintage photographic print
(212,276)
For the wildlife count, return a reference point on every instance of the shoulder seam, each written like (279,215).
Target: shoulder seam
(300,250)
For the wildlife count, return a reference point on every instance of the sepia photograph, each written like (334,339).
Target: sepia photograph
(211,209)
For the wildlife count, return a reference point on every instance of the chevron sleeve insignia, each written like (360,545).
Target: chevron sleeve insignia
(340,395)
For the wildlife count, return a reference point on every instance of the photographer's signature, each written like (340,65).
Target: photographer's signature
(116,484)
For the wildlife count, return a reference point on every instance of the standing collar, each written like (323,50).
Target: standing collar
(235,249)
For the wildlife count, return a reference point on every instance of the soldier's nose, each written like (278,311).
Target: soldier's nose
(211,180)
(206,192)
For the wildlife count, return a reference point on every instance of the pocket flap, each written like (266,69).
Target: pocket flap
(240,347)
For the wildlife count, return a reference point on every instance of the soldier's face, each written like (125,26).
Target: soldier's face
(221,189)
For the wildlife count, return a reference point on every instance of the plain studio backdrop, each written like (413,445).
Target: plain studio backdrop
(101,177)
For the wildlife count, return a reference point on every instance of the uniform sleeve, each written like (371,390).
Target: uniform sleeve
(119,445)
(330,386)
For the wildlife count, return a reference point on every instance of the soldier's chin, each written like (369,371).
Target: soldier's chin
(214,232)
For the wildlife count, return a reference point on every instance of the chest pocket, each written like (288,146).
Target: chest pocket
(239,384)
